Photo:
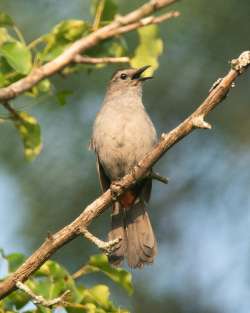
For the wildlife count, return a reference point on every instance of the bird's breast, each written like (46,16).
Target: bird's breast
(122,138)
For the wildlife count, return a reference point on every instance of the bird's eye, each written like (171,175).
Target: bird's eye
(124,76)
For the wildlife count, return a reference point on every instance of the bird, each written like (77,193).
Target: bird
(122,134)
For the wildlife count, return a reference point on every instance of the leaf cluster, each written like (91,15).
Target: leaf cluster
(18,58)
(52,280)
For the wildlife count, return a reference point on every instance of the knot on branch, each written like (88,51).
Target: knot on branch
(242,62)
(154,4)
(120,20)
(198,122)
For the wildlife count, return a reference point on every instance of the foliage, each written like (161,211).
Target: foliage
(149,49)
(18,58)
(30,133)
(52,279)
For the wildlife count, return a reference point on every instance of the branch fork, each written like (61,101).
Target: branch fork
(37,299)
(198,122)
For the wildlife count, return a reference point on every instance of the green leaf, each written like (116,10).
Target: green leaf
(5,36)
(3,80)
(71,30)
(149,49)
(57,279)
(44,86)
(30,132)
(90,308)
(44,287)
(62,36)
(52,279)
(17,55)
(16,300)
(101,295)
(120,276)
(53,269)
(15,260)
(62,96)
(109,9)
(112,48)
(5,20)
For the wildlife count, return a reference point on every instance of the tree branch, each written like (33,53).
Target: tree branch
(148,21)
(69,232)
(37,299)
(117,27)
(84,59)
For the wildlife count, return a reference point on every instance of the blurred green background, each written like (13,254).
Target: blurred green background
(202,217)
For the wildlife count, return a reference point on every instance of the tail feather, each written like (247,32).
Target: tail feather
(134,247)
(138,243)
(148,243)
(144,249)
(118,230)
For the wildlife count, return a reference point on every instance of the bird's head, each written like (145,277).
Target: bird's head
(128,80)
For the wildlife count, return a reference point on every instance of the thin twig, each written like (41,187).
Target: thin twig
(80,46)
(84,59)
(158,177)
(98,15)
(82,307)
(105,246)
(14,114)
(74,229)
(85,269)
(37,299)
(148,21)
(19,34)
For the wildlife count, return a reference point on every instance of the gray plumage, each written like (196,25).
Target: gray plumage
(122,134)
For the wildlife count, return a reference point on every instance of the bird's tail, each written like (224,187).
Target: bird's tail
(138,242)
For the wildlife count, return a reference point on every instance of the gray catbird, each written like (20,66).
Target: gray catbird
(122,134)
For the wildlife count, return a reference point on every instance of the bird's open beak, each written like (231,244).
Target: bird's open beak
(139,71)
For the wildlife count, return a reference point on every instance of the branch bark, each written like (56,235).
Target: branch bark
(84,59)
(69,232)
(120,25)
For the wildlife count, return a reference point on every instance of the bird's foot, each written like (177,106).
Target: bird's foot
(115,189)
(108,247)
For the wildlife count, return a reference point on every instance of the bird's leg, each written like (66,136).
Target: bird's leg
(106,246)
(115,189)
